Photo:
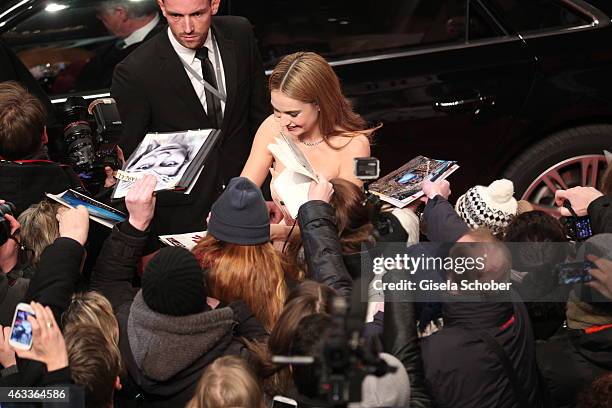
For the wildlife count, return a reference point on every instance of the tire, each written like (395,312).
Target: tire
(554,153)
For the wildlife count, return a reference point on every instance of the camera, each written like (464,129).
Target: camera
(5,226)
(577,228)
(346,356)
(89,151)
(367,168)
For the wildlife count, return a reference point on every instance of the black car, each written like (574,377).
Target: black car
(513,88)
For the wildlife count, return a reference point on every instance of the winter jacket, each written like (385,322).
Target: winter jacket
(164,355)
(25,183)
(600,214)
(322,249)
(463,370)
(443,224)
(572,359)
(400,339)
(12,291)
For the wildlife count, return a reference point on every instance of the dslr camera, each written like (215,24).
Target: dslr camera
(5,226)
(90,138)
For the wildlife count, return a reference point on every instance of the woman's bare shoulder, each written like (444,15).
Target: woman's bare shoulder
(351,145)
(268,129)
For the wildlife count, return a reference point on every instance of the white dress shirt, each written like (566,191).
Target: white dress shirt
(189,58)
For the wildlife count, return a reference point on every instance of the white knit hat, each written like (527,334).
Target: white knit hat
(492,207)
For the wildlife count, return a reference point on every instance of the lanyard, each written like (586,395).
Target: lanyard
(218,76)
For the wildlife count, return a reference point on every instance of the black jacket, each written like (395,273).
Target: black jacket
(461,370)
(400,339)
(571,360)
(147,103)
(600,213)
(442,222)
(164,356)
(25,183)
(322,249)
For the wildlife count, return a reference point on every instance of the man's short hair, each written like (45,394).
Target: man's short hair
(95,363)
(22,122)
(135,9)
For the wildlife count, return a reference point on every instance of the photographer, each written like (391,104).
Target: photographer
(26,173)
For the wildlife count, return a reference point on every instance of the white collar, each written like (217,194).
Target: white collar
(188,54)
(140,34)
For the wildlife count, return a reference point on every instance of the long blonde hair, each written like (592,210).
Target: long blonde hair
(253,273)
(227,383)
(308,77)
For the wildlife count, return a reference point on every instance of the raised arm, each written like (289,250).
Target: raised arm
(260,159)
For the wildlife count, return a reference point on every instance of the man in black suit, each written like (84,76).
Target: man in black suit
(160,88)
(132,23)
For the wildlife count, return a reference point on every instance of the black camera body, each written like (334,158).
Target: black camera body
(5,227)
(89,151)
(367,169)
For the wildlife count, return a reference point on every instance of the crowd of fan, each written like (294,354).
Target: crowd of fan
(199,328)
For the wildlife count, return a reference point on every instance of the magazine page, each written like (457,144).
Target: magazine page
(187,241)
(403,185)
(99,212)
(167,156)
(287,152)
(292,188)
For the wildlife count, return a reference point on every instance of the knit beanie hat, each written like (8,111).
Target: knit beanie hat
(240,215)
(391,390)
(173,283)
(492,207)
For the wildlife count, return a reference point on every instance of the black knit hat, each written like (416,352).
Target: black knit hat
(240,215)
(173,283)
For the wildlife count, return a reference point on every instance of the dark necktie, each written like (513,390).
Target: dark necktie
(213,104)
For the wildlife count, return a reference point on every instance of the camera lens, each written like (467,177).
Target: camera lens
(7,208)
(78,134)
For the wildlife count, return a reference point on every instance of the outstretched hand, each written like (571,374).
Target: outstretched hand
(48,344)
(73,223)
(602,276)
(435,188)
(320,190)
(579,197)
(7,354)
(140,202)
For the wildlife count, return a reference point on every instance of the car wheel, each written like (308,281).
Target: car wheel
(569,158)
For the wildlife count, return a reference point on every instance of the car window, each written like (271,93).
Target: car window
(537,15)
(63,46)
(350,28)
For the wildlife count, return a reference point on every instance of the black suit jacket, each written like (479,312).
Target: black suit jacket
(154,94)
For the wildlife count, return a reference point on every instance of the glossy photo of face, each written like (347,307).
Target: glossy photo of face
(164,160)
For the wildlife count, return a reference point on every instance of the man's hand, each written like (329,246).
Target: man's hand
(48,344)
(579,198)
(320,190)
(276,215)
(74,223)
(602,276)
(140,202)
(435,188)
(7,354)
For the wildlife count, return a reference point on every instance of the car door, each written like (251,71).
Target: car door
(445,80)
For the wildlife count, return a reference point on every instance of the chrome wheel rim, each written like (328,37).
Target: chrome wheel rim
(585,170)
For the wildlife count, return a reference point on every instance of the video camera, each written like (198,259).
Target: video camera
(89,151)
(346,356)
(367,169)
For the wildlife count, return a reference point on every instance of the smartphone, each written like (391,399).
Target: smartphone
(583,228)
(21,329)
(283,402)
(574,272)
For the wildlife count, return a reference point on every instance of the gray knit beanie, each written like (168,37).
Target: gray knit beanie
(240,215)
